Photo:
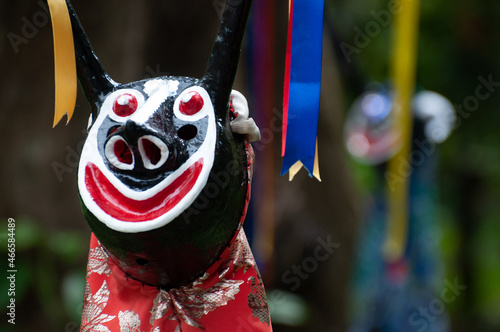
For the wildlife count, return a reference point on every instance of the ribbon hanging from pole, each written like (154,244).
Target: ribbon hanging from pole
(64,61)
(302,87)
(399,168)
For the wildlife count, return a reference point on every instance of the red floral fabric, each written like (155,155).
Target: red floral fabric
(229,297)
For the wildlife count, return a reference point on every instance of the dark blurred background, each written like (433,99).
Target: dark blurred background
(138,39)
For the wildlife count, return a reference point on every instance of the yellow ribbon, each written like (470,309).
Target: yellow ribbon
(64,61)
(399,171)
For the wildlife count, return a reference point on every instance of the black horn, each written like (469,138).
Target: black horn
(92,76)
(223,62)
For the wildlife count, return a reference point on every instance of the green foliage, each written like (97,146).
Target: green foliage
(50,276)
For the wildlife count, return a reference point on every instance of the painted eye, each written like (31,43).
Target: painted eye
(125,105)
(191,103)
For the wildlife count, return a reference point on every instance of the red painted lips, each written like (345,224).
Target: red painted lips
(123,208)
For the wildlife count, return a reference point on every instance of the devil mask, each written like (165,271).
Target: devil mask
(148,155)
(163,177)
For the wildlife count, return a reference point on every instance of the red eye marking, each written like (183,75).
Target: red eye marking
(125,105)
(191,103)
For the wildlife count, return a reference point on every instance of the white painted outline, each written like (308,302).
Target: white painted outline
(109,151)
(107,106)
(160,145)
(91,155)
(206,109)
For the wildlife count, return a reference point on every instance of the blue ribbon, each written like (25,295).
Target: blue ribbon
(305,84)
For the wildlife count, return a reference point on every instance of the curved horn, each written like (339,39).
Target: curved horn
(223,61)
(91,74)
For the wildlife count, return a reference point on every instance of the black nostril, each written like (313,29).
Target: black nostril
(119,153)
(123,153)
(142,261)
(152,152)
(187,132)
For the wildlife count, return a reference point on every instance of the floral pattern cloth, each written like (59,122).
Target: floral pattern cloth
(229,297)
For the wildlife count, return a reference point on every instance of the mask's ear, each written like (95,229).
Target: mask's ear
(223,61)
(94,80)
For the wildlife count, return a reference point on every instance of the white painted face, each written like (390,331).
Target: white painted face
(148,155)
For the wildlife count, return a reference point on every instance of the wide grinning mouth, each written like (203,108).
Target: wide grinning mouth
(120,207)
